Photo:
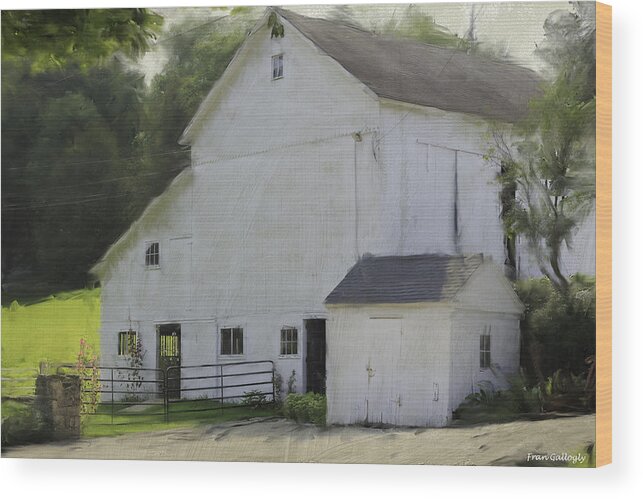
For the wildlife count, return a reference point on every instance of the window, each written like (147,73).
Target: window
(126,342)
(277,66)
(485,349)
(232,341)
(288,344)
(152,254)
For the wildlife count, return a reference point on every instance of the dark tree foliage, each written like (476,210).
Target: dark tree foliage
(558,330)
(68,173)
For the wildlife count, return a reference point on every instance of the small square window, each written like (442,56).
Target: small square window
(288,343)
(485,349)
(232,341)
(152,254)
(277,66)
(127,342)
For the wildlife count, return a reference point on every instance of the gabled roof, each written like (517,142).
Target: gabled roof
(427,75)
(405,279)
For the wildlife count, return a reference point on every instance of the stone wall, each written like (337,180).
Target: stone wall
(58,405)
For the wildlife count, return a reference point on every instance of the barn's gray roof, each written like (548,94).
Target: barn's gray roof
(405,279)
(427,75)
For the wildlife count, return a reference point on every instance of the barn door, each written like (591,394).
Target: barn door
(315,355)
(169,355)
(382,358)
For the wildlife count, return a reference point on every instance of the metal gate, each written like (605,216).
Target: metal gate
(113,392)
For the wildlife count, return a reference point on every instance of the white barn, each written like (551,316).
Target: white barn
(311,150)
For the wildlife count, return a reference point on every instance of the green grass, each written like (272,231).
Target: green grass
(150,419)
(46,331)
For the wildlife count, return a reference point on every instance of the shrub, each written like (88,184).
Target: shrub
(559,329)
(89,373)
(277,382)
(491,406)
(565,391)
(21,425)
(306,408)
(254,399)
(562,391)
(292,381)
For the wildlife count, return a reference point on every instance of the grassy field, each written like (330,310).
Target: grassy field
(46,331)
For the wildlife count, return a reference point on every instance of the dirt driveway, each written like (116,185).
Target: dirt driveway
(279,440)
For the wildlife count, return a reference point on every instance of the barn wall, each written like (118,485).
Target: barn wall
(257,242)
(466,375)
(487,303)
(421,214)
(409,365)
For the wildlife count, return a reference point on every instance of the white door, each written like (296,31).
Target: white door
(382,358)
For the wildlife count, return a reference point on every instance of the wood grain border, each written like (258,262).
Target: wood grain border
(603,234)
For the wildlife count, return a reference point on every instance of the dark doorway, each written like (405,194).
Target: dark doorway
(169,355)
(315,355)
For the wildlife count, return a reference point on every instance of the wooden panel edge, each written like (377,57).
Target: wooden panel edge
(603,234)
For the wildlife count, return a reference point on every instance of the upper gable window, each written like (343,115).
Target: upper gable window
(152,254)
(277,66)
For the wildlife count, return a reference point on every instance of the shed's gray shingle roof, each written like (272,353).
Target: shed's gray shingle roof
(417,73)
(405,279)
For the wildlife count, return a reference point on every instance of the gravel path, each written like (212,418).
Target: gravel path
(279,440)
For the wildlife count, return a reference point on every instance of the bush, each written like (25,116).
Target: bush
(254,399)
(490,406)
(21,425)
(567,392)
(559,329)
(306,408)
(561,392)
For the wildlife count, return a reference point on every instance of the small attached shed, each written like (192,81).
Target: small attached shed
(409,337)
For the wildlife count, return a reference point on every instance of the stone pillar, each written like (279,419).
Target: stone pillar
(58,405)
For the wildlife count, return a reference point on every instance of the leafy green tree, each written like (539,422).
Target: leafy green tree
(551,165)
(51,39)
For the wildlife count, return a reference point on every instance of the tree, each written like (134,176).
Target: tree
(71,118)
(551,165)
(70,171)
(51,39)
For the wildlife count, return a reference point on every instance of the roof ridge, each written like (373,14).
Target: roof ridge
(404,40)
(281,11)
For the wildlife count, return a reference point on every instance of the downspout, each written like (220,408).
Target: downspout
(456,229)
(357,137)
